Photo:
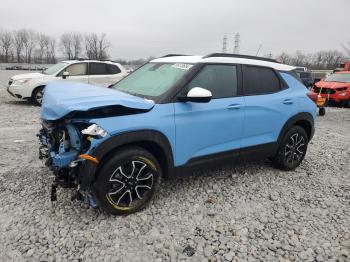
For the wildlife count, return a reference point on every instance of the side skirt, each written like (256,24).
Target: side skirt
(228,158)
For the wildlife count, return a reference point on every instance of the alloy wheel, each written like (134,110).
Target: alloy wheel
(39,96)
(295,149)
(130,183)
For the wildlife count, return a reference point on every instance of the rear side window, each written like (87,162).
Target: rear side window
(98,69)
(260,80)
(221,80)
(103,69)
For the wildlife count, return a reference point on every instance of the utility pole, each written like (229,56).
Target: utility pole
(224,44)
(236,45)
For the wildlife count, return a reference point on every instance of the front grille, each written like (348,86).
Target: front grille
(324,90)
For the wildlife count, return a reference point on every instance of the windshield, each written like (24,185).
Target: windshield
(345,78)
(152,79)
(55,68)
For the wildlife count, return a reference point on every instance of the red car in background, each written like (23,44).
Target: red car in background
(334,88)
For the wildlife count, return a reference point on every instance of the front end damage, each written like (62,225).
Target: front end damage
(66,147)
(69,135)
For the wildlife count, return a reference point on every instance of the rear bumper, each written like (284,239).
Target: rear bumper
(332,97)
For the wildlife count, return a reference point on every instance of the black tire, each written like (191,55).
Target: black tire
(322,111)
(37,95)
(292,149)
(119,190)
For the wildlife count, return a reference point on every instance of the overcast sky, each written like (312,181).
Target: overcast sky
(143,28)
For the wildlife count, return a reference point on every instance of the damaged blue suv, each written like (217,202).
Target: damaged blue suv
(171,116)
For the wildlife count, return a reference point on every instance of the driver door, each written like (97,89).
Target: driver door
(205,129)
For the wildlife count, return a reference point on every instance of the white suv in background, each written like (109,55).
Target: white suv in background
(95,72)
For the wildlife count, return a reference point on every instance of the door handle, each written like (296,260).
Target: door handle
(288,101)
(234,106)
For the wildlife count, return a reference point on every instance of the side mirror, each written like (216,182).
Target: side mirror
(65,74)
(198,95)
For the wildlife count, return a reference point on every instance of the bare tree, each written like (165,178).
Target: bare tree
(77,40)
(18,37)
(103,46)
(96,47)
(329,59)
(52,51)
(66,45)
(284,58)
(347,48)
(333,58)
(6,42)
(42,46)
(29,38)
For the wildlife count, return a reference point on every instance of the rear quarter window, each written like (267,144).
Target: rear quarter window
(113,69)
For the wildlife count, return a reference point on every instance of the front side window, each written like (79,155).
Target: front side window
(220,80)
(152,79)
(260,80)
(55,68)
(76,69)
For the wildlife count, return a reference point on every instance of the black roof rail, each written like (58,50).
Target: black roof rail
(169,55)
(241,56)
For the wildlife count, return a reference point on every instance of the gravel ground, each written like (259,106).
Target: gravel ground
(248,212)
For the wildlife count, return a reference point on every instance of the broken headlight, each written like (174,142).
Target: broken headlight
(94,130)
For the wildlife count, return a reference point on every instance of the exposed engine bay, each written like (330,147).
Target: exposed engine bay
(65,145)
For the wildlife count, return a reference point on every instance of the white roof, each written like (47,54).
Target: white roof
(236,60)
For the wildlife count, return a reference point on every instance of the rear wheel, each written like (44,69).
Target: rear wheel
(37,96)
(292,149)
(127,182)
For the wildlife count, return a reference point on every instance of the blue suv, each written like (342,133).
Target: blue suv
(173,115)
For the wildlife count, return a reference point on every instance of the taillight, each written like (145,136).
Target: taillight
(317,98)
(311,95)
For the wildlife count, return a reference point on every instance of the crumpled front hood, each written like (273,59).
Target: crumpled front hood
(331,85)
(27,76)
(61,99)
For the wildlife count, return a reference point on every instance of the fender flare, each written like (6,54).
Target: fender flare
(89,170)
(304,116)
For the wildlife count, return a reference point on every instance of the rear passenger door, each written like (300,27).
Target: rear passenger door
(269,103)
(103,74)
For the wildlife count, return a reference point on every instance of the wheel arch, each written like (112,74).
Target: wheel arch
(151,140)
(36,88)
(304,120)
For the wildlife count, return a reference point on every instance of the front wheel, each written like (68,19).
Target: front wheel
(128,181)
(292,149)
(37,96)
